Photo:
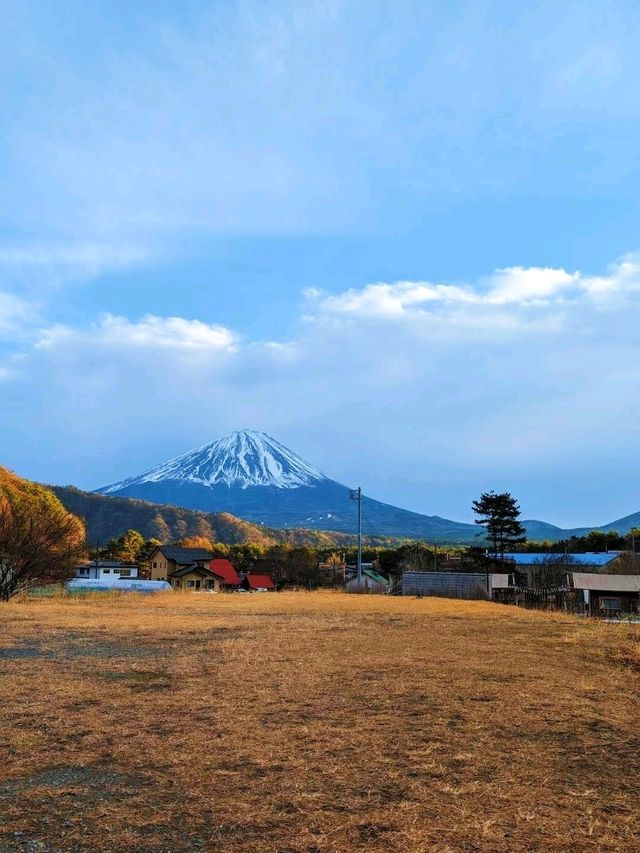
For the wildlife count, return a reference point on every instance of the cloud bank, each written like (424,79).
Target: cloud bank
(405,386)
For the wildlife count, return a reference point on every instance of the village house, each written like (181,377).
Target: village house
(607,595)
(192,568)
(542,570)
(370,581)
(106,570)
(258,583)
(227,571)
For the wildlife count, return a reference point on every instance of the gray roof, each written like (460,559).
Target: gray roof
(192,567)
(606,583)
(184,556)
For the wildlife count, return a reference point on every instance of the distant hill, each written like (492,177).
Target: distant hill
(542,530)
(106,517)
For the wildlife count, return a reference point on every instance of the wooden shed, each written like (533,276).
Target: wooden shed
(607,595)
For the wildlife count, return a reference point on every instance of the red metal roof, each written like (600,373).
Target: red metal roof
(224,569)
(260,582)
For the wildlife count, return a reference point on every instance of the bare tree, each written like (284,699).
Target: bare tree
(39,539)
(551,573)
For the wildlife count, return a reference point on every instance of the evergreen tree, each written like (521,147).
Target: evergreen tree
(144,556)
(499,514)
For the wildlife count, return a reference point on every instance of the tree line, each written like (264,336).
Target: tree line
(41,541)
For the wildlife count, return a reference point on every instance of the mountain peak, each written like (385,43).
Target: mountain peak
(239,459)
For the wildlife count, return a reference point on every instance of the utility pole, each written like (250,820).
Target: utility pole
(356,495)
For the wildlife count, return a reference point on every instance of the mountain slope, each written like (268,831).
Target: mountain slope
(106,517)
(239,460)
(253,476)
(539,530)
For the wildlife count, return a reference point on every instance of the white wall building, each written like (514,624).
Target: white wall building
(106,570)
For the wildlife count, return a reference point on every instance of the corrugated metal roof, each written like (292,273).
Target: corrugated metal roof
(128,584)
(572,559)
(606,583)
(352,575)
(451,584)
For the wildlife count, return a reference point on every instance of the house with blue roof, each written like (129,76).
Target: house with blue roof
(548,569)
(598,560)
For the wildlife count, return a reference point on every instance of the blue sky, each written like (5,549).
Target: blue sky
(400,237)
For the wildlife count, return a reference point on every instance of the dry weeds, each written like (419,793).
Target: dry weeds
(314,722)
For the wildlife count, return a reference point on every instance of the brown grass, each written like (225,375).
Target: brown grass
(315,722)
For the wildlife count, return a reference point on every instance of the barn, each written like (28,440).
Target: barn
(607,595)
(258,583)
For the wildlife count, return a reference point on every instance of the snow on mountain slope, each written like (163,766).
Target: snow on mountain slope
(240,460)
(254,477)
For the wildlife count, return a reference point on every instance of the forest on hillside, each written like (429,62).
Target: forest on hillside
(107,517)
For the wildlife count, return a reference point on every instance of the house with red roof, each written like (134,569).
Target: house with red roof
(226,570)
(258,583)
(194,569)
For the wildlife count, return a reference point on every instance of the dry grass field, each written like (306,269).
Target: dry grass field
(314,722)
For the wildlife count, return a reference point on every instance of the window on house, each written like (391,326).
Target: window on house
(190,583)
(610,604)
(155,565)
(125,573)
(116,571)
(106,571)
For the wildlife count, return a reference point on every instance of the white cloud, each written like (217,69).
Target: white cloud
(150,333)
(514,290)
(517,284)
(16,314)
(436,383)
(41,265)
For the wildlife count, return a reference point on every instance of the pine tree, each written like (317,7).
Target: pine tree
(499,515)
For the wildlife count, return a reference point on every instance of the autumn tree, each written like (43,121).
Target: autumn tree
(39,539)
(499,514)
(196,542)
(204,530)
(126,547)
(160,529)
(181,528)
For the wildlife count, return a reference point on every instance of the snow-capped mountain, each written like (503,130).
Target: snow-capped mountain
(255,477)
(238,460)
